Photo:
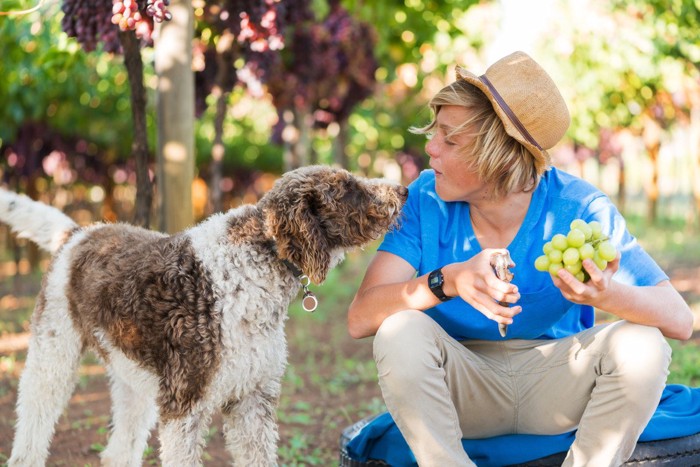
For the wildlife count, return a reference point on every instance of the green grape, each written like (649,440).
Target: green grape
(600,262)
(571,256)
(576,224)
(588,232)
(560,242)
(576,238)
(607,251)
(586,251)
(596,228)
(585,240)
(542,263)
(574,268)
(580,224)
(554,268)
(555,256)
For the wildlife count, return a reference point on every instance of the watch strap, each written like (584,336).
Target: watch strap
(435,282)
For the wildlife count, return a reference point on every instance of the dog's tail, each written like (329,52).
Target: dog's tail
(45,225)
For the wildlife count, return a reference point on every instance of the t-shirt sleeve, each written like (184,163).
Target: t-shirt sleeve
(637,267)
(405,240)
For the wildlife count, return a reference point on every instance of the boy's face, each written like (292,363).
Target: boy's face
(455,179)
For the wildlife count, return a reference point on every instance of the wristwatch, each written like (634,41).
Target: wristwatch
(435,282)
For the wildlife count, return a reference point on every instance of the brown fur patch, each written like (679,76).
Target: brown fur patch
(311,212)
(248,228)
(154,301)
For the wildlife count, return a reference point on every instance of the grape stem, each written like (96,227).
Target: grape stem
(598,241)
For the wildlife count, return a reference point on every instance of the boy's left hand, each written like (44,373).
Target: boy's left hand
(590,292)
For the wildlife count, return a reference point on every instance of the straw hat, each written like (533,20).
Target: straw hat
(526,100)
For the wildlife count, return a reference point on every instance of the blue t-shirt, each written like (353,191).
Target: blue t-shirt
(434,233)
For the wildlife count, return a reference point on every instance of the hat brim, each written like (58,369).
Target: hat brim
(541,156)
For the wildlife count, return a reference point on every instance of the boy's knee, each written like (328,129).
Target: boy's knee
(640,348)
(402,337)
(402,326)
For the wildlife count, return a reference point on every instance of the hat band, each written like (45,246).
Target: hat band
(513,118)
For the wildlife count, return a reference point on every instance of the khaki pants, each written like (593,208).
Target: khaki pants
(605,381)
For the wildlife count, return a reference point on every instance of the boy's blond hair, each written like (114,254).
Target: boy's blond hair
(498,159)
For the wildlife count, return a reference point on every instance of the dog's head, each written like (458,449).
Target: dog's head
(317,213)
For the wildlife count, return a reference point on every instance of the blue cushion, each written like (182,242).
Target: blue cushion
(678,414)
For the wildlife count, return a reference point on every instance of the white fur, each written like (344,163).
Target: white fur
(50,369)
(42,224)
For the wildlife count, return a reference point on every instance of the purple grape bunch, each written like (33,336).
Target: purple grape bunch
(88,22)
(129,14)
(158,10)
(126,14)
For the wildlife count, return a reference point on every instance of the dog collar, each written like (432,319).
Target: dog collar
(309,302)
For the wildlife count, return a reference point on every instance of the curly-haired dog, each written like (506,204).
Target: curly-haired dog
(189,323)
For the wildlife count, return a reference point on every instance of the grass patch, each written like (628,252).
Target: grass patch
(685,366)
(671,242)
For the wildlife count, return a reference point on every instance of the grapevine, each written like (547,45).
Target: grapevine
(95,21)
(259,28)
(583,241)
(329,68)
(89,22)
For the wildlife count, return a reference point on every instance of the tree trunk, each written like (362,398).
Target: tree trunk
(224,58)
(139,146)
(217,155)
(653,189)
(651,136)
(175,118)
(108,212)
(340,144)
(33,252)
(621,186)
(290,138)
(302,120)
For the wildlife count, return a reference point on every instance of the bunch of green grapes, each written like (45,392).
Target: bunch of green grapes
(584,240)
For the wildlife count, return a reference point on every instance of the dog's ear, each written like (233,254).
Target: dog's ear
(297,228)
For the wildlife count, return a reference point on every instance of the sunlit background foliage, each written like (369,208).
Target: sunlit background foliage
(628,70)
(340,82)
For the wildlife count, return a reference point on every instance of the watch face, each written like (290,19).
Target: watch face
(435,280)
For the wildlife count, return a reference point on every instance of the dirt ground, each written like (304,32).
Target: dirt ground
(83,428)
(309,428)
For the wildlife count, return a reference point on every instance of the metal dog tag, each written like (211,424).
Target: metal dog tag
(309,301)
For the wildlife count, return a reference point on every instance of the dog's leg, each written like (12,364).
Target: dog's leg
(250,427)
(134,413)
(45,386)
(182,439)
